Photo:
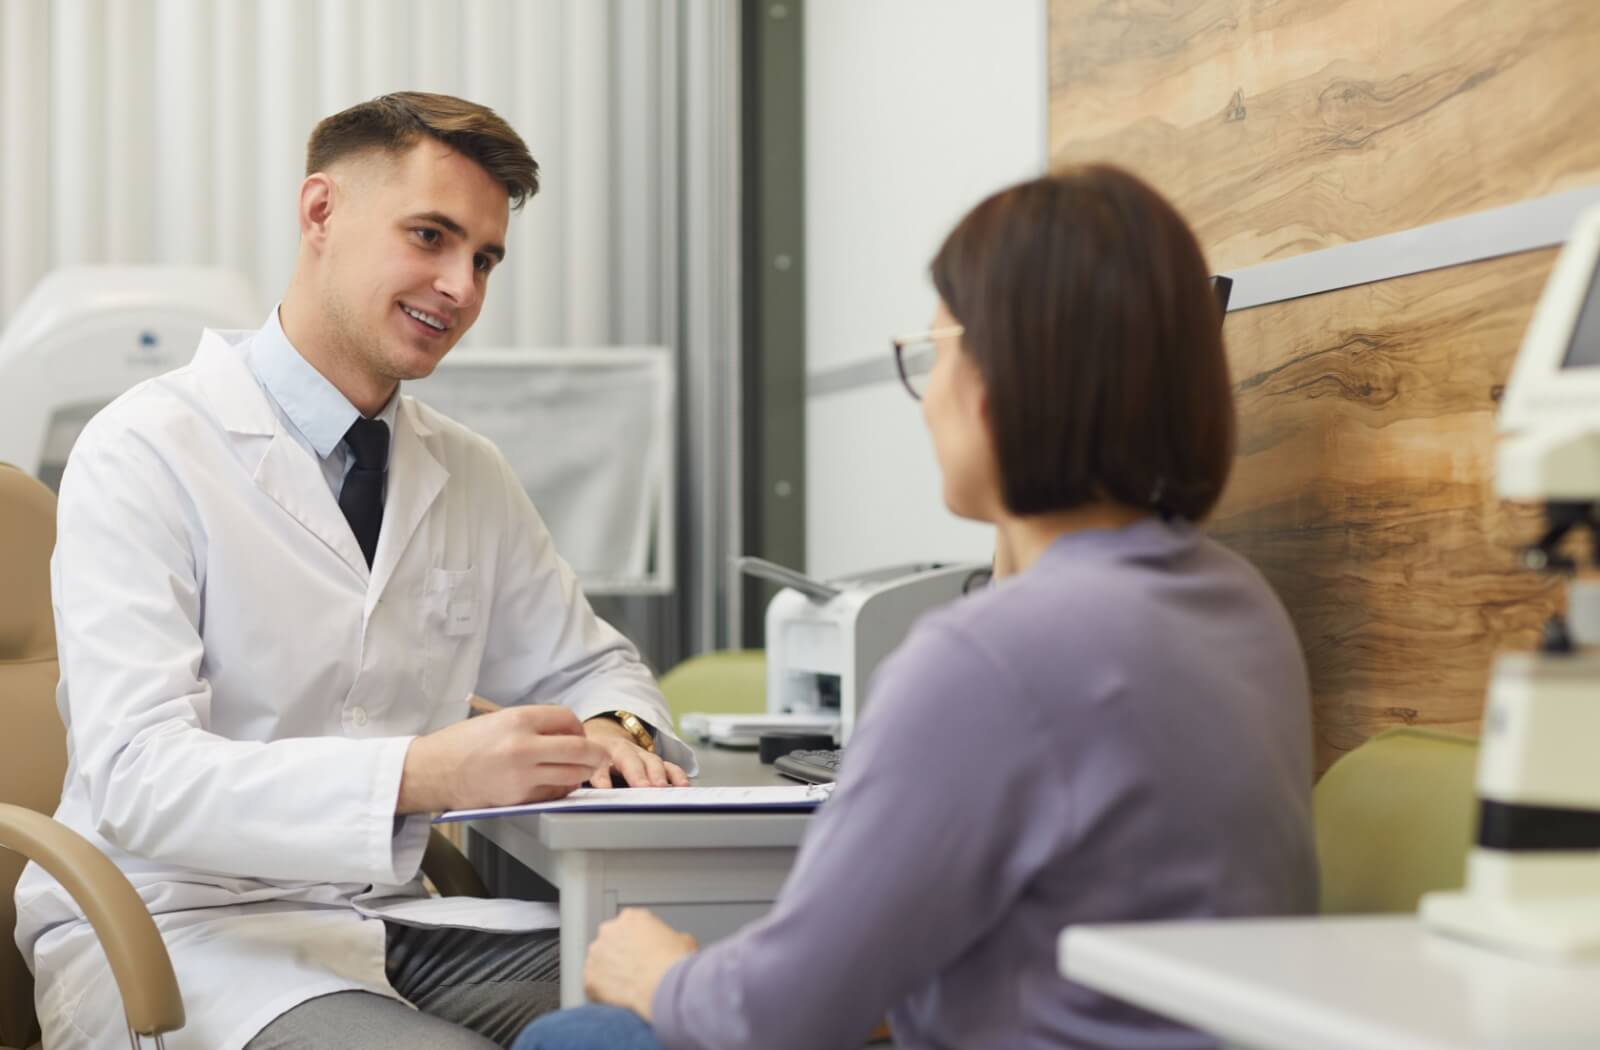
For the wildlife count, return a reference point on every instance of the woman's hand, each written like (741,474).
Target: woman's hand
(629,957)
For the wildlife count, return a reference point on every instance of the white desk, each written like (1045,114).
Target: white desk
(1338,983)
(705,873)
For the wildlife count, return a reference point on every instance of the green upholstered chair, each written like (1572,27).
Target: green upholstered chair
(1394,820)
(727,682)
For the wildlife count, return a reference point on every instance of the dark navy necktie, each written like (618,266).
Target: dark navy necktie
(361,497)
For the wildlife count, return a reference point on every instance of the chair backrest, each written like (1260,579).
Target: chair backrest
(726,682)
(1394,820)
(33,756)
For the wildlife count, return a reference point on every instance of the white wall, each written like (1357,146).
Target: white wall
(915,111)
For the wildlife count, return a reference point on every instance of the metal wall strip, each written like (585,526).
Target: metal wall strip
(1527,225)
(848,377)
(1520,227)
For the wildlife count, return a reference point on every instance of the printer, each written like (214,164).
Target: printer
(824,641)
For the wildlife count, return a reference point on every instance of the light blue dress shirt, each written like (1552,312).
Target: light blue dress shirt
(311,409)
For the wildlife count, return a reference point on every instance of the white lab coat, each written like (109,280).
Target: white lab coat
(239,692)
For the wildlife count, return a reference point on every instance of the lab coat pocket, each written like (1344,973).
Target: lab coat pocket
(450,624)
(450,603)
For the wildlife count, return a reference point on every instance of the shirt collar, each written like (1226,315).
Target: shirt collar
(1149,537)
(313,404)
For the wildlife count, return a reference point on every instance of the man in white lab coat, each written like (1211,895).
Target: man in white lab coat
(277,582)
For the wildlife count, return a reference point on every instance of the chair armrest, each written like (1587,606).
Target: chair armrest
(132,944)
(451,872)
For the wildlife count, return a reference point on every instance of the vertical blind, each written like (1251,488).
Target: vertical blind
(150,131)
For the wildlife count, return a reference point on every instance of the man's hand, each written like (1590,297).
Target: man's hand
(517,754)
(628,958)
(639,768)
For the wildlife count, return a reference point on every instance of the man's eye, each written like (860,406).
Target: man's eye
(426,235)
(483,263)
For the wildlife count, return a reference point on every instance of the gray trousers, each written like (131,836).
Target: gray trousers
(472,991)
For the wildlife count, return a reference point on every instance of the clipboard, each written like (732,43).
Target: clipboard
(795,797)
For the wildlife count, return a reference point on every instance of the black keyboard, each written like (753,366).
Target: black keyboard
(812,767)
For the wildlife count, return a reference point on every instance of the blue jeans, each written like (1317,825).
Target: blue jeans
(588,1028)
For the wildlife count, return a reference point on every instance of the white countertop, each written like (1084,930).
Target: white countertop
(1338,983)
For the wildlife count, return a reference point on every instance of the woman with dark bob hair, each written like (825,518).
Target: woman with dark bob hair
(1119,731)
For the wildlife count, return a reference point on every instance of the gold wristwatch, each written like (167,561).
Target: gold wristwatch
(635,727)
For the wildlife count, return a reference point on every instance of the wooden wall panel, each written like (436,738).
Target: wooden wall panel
(1366,439)
(1282,126)
(1363,487)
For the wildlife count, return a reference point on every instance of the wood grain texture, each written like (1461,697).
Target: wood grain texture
(1361,490)
(1363,487)
(1284,126)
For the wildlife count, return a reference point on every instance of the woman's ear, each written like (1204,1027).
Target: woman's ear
(978,394)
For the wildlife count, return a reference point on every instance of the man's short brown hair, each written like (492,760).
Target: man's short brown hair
(1089,313)
(393,124)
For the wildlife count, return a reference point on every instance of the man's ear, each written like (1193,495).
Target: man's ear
(316,206)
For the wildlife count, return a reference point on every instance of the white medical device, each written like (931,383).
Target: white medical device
(1533,876)
(590,434)
(824,640)
(89,333)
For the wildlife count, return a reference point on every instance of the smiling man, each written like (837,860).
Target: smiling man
(277,582)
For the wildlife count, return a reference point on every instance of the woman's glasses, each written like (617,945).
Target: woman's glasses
(913,356)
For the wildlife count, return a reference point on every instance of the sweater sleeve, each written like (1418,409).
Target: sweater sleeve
(921,849)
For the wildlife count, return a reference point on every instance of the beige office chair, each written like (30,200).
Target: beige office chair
(32,767)
(1394,820)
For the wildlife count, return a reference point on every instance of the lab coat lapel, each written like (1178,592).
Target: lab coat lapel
(286,472)
(415,480)
(294,481)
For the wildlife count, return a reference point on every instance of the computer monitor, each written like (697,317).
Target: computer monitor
(1555,381)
